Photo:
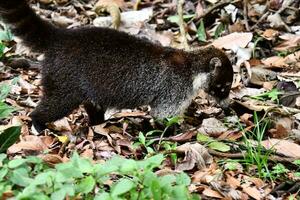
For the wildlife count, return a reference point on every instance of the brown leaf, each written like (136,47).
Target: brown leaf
(291,41)
(233,182)
(252,191)
(270,34)
(283,127)
(212,127)
(212,193)
(61,125)
(32,143)
(281,62)
(195,155)
(233,40)
(183,136)
(284,147)
(51,159)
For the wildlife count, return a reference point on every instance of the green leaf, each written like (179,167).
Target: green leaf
(3,172)
(83,164)
(122,186)
(183,179)
(67,171)
(231,165)
(4,91)
(173,120)
(8,137)
(20,177)
(203,138)
(128,166)
(296,162)
(220,28)
(43,178)
(63,192)
(152,162)
(219,146)
(5,110)
(142,138)
(103,196)
(16,163)
(2,158)
(86,185)
(201,33)
(175,18)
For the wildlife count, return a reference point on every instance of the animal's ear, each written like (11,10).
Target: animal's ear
(215,64)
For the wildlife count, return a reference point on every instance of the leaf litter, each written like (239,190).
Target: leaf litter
(265,55)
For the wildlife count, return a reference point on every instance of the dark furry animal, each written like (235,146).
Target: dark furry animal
(108,68)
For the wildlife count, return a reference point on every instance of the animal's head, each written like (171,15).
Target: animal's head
(212,71)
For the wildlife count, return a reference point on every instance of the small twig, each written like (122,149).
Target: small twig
(182,24)
(273,158)
(262,18)
(245,13)
(285,4)
(215,7)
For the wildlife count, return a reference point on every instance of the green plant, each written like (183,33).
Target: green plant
(10,135)
(256,41)
(201,32)
(212,143)
(144,141)
(220,28)
(278,170)
(256,153)
(272,95)
(117,179)
(5,36)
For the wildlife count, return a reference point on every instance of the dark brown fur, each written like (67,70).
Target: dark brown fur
(104,68)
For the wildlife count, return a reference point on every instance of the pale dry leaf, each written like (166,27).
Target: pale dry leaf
(31,143)
(270,34)
(233,182)
(284,147)
(243,54)
(256,105)
(212,193)
(247,91)
(291,41)
(252,191)
(233,41)
(196,155)
(281,62)
(61,21)
(261,75)
(183,136)
(51,159)
(212,127)
(129,114)
(275,20)
(113,8)
(61,125)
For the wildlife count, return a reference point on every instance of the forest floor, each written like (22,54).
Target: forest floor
(251,152)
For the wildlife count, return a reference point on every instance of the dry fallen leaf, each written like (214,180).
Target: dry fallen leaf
(252,191)
(284,147)
(113,8)
(195,155)
(212,127)
(31,143)
(212,193)
(233,41)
